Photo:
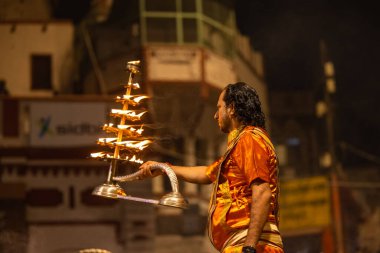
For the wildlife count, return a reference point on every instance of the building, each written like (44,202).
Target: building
(61,78)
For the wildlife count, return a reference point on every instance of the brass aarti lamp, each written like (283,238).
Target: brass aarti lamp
(127,144)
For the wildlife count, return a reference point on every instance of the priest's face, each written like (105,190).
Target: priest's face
(223,115)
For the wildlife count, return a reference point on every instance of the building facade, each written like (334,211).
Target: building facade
(61,80)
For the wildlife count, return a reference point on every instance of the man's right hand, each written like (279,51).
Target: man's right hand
(147,170)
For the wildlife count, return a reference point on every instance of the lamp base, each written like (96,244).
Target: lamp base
(174,199)
(109,191)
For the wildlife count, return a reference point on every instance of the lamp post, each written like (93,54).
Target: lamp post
(325,108)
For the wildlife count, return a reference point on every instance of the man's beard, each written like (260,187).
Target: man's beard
(224,127)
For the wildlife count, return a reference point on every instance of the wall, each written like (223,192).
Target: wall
(25,10)
(18,41)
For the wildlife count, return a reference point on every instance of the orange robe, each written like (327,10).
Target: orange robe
(249,156)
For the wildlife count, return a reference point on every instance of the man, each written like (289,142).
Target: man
(243,214)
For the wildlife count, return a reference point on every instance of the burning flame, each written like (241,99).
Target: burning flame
(131,99)
(134,159)
(104,155)
(99,155)
(107,140)
(131,130)
(128,137)
(128,130)
(109,128)
(140,145)
(134,86)
(137,145)
(136,99)
(131,115)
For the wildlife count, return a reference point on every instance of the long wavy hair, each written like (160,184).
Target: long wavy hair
(246,104)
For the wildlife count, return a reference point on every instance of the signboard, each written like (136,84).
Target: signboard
(174,64)
(304,203)
(218,71)
(66,124)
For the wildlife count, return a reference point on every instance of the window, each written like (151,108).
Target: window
(206,22)
(10,117)
(162,5)
(44,197)
(161,30)
(190,33)
(188,6)
(218,11)
(41,72)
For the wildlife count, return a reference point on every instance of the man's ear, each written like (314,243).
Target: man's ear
(231,110)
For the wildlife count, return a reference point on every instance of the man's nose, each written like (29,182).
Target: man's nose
(216,115)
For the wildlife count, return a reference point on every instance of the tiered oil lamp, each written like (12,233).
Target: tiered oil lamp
(127,144)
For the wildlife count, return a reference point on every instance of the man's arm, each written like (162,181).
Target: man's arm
(261,195)
(196,174)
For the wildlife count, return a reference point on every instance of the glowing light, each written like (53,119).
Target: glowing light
(131,130)
(101,155)
(131,115)
(97,155)
(126,112)
(134,159)
(134,86)
(104,155)
(109,128)
(127,141)
(139,145)
(107,140)
(133,100)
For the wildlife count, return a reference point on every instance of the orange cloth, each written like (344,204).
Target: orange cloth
(250,157)
(261,248)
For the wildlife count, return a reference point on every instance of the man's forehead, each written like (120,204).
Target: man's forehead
(221,96)
(220,99)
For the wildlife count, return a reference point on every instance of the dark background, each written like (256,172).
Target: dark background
(288,33)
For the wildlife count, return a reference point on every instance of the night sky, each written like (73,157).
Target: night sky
(288,33)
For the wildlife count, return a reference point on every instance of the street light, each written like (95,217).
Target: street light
(328,159)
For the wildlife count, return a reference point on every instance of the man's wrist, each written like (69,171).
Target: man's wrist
(248,249)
